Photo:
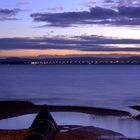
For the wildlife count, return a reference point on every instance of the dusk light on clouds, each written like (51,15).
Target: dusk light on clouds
(86,26)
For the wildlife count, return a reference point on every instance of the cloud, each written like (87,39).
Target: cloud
(128,3)
(86,43)
(119,3)
(96,15)
(130,12)
(67,19)
(108,1)
(8,14)
(102,13)
(58,8)
(22,3)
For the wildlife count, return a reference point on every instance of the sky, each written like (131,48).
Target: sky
(32,28)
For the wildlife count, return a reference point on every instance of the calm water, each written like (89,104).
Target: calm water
(87,85)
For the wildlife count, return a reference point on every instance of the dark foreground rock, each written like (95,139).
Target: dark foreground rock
(137,117)
(86,133)
(71,133)
(16,108)
(44,126)
(136,107)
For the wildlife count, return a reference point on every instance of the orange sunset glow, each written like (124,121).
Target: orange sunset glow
(60,52)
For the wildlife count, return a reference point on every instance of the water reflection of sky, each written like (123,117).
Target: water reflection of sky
(126,126)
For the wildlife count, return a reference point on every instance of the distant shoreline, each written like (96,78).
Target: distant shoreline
(73,61)
(67,64)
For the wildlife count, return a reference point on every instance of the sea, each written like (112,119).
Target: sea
(113,86)
(107,86)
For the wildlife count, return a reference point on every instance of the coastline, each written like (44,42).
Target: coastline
(18,108)
(10,109)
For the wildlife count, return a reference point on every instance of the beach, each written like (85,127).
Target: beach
(10,109)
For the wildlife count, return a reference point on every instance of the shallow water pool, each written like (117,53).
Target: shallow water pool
(126,126)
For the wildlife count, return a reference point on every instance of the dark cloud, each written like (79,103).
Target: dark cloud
(130,12)
(67,19)
(8,14)
(60,19)
(96,15)
(96,43)
(102,13)
(108,1)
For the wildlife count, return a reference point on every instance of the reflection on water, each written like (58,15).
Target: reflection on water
(126,126)
(17,122)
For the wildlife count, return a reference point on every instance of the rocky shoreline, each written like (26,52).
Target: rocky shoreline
(10,109)
(17,108)
(136,107)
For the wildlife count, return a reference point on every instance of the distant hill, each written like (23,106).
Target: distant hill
(72,60)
